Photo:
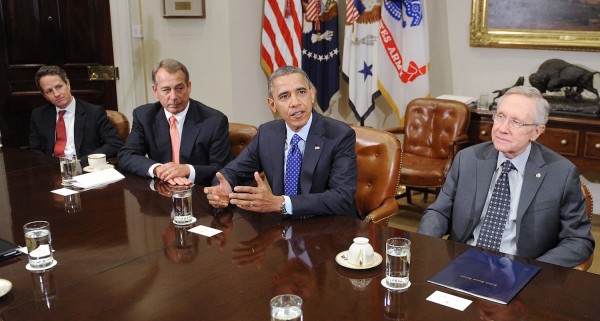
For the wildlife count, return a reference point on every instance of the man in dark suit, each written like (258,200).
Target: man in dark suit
(327,175)
(86,128)
(546,218)
(176,139)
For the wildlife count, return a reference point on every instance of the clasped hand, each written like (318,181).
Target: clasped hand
(256,199)
(173,173)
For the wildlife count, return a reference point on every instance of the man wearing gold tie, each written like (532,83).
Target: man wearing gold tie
(66,125)
(176,139)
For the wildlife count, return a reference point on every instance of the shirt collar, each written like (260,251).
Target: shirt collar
(303,132)
(70,107)
(180,116)
(519,162)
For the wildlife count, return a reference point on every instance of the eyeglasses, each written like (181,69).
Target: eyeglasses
(512,123)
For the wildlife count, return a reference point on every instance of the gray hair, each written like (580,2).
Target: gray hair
(284,71)
(543,107)
(171,66)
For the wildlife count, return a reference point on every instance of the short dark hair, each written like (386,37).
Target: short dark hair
(171,66)
(50,71)
(284,71)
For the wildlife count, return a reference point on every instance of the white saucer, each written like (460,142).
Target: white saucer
(90,169)
(32,269)
(189,223)
(346,264)
(5,286)
(385,285)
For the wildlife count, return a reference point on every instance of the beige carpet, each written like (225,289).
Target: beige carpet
(408,218)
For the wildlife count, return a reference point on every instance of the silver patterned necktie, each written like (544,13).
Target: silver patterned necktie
(494,221)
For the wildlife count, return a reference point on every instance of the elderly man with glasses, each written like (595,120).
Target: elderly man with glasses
(512,194)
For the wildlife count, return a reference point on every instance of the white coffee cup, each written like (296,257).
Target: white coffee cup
(361,252)
(97,161)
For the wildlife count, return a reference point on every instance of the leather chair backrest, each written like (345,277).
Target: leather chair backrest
(121,123)
(589,201)
(378,159)
(430,124)
(240,135)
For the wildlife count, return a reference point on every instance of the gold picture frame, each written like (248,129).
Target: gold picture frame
(183,9)
(511,28)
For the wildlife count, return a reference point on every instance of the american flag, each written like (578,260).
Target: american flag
(281,34)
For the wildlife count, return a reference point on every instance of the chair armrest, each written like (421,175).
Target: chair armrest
(396,130)
(586,264)
(383,212)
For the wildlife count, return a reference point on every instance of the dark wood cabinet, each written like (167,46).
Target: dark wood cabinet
(578,139)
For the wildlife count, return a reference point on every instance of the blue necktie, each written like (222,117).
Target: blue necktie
(292,168)
(497,212)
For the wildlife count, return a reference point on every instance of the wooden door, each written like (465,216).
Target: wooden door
(73,34)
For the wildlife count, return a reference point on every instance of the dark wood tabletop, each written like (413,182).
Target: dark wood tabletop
(121,258)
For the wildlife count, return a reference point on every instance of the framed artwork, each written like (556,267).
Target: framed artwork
(536,24)
(183,9)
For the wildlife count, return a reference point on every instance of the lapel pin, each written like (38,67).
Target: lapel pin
(317,147)
(538,175)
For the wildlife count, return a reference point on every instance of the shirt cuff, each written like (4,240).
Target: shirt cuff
(151,169)
(288,204)
(192,176)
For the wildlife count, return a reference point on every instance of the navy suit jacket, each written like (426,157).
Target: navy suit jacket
(204,141)
(551,222)
(328,173)
(93,132)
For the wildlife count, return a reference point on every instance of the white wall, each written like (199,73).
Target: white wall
(222,53)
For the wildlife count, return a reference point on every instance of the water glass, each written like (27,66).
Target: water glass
(397,265)
(395,305)
(73,203)
(182,204)
(68,169)
(483,102)
(286,307)
(39,244)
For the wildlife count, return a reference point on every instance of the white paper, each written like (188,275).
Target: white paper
(449,300)
(205,230)
(64,191)
(99,178)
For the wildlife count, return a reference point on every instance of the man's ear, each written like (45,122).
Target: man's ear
(271,104)
(539,129)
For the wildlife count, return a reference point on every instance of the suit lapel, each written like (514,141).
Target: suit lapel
(535,171)
(275,152)
(485,171)
(79,126)
(50,128)
(162,137)
(312,152)
(191,129)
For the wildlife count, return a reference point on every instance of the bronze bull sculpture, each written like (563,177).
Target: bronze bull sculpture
(556,74)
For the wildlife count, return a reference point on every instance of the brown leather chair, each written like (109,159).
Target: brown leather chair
(121,123)
(433,130)
(240,135)
(378,158)
(589,202)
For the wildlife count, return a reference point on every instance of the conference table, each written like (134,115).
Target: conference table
(120,257)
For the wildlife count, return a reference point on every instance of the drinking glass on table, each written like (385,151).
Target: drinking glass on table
(182,204)
(286,307)
(39,245)
(397,266)
(68,169)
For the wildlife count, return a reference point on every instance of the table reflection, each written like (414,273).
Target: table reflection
(44,287)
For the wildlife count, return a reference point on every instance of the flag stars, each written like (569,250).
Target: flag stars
(366,71)
(319,57)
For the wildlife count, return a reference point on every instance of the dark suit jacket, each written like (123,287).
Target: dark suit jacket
(328,173)
(204,142)
(551,222)
(93,131)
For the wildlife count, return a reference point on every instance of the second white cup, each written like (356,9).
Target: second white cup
(361,252)
(97,161)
